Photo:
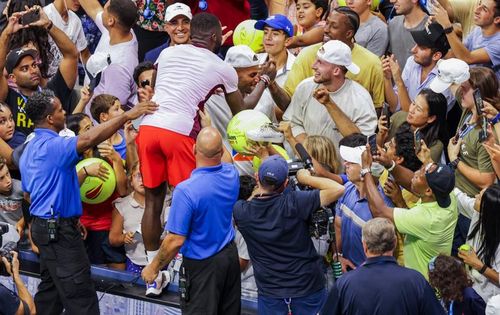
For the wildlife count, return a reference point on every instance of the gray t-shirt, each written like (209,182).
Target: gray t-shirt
(400,40)
(373,35)
(11,206)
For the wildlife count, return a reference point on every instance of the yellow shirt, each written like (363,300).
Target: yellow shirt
(370,76)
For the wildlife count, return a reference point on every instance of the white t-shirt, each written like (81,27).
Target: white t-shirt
(187,76)
(248,285)
(73,28)
(308,116)
(122,53)
(266,103)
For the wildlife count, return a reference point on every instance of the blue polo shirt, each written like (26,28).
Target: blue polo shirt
(355,212)
(380,287)
(202,210)
(48,174)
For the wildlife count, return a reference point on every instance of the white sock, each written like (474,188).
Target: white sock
(151,254)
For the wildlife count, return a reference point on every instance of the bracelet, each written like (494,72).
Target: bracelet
(266,79)
(50,26)
(392,166)
(495,119)
(483,269)
(85,170)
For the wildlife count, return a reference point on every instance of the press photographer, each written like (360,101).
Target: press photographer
(10,302)
(275,226)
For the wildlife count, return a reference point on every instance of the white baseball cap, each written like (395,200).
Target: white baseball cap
(176,9)
(338,53)
(450,71)
(97,63)
(352,155)
(242,56)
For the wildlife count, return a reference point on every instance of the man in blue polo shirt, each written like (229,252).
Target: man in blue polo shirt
(49,177)
(200,225)
(275,226)
(352,210)
(380,286)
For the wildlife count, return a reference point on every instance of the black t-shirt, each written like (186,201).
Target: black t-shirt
(9,301)
(276,231)
(17,102)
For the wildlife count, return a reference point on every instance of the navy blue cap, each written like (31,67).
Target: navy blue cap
(442,183)
(277,22)
(273,171)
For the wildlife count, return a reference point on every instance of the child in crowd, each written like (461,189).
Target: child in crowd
(96,218)
(310,14)
(126,228)
(103,108)
(7,128)
(11,199)
(448,277)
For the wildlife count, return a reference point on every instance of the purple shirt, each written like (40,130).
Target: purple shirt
(476,40)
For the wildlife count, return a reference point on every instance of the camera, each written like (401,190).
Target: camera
(8,243)
(322,218)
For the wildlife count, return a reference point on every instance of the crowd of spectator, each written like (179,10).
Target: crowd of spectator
(396,102)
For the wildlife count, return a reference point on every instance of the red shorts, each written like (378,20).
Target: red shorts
(165,156)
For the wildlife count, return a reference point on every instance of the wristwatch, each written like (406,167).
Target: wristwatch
(448,30)
(454,163)
(364,171)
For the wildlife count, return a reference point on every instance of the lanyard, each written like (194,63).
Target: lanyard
(450,310)
(25,99)
(465,129)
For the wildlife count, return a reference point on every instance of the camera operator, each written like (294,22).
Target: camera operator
(275,226)
(22,303)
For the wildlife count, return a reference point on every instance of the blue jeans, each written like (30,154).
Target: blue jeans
(310,304)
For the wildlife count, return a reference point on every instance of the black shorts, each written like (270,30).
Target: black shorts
(213,284)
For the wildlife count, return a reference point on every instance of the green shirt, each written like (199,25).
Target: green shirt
(399,118)
(473,154)
(429,232)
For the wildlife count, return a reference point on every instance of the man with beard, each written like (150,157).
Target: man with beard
(23,70)
(329,104)
(419,71)
(187,75)
(342,24)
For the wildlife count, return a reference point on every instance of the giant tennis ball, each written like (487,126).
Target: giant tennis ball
(257,161)
(373,7)
(240,123)
(94,190)
(246,34)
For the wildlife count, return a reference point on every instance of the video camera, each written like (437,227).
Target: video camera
(7,245)
(322,218)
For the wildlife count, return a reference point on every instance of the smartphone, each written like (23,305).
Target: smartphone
(387,114)
(483,133)
(30,17)
(372,141)
(418,139)
(478,101)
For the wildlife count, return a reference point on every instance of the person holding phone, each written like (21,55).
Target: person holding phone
(427,113)
(22,66)
(472,163)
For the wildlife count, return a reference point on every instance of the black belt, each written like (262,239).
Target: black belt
(61,221)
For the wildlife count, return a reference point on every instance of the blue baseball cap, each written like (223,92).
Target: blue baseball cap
(277,22)
(273,171)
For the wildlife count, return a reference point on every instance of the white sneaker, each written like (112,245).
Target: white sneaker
(265,133)
(161,282)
